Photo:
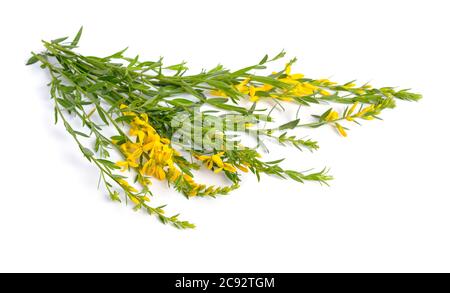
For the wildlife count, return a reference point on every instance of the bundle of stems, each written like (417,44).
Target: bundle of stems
(168,123)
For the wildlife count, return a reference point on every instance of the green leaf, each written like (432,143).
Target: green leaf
(95,87)
(162,219)
(216,101)
(227,89)
(232,108)
(264,60)
(33,59)
(181,102)
(81,133)
(108,164)
(77,37)
(117,55)
(57,41)
(290,125)
(272,81)
(246,69)
(115,196)
(325,114)
(275,162)
(117,137)
(125,118)
(56,115)
(133,62)
(87,152)
(294,175)
(102,115)
(177,67)
(65,103)
(279,55)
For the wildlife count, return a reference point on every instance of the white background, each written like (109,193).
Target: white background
(386,211)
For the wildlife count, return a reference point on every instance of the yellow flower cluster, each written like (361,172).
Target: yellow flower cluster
(299,88)
(366,113)
(150,153)
(174,174)
(216,161)
(332,117)
(252,91)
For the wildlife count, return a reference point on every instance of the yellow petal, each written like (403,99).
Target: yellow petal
(333,115)
(217,160)
(352,109)
(134,199)
(147,147)
(160,174)
(217,93)
(252,91)
(324,93)
(136,154)
(341,130)
(254,99)
(228,167)
(288,69)
(123,165)
(242,168)
(165,140)
(350,85)
(141,135)
(297,76)
(203,157)
(144,117)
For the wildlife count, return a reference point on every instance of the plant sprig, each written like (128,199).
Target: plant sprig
(141,101)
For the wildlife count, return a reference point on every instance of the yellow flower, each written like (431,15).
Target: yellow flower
(341,130)
(287,69)
(157,150)
(173,174)
(125,185)
(242,168)
(252,93)
(134,199)
(297,76)
(194,191)
(325,82)
(159,158)
(324,93)
(333,115)
(349,86)
(218,93)
(352,109)
(125,165)
(228,167)
(132,151)
(216,160)
(242,86)
(365,110)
